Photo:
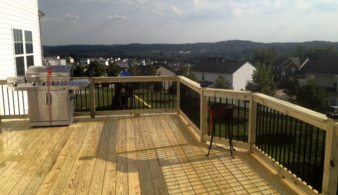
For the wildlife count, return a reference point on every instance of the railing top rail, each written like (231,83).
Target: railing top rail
(3,81)
(335,124)
(133,79)
(225,93)
(192,84)
(121,79)
(301,113)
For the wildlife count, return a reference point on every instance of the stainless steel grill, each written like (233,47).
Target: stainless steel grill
(50,94)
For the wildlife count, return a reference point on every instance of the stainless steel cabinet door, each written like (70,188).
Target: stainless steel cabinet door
(39,107)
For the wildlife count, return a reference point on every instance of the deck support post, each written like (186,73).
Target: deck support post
(92,98)
(252,124)
(330,174)
(203,116)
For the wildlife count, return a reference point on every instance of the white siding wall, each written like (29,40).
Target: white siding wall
(243,74)
(18,14)
(211,77)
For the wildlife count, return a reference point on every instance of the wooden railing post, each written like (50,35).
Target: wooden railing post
(92,98)
(203,116)
(252,124)
(330,174)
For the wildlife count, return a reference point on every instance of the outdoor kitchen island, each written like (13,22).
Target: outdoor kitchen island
(151,154)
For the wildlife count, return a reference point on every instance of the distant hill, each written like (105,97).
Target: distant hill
(184,53)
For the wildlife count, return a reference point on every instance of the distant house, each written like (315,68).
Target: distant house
(85,61)
(21,45)
(325,72)
(48,61)
(301,74)
(122,65)
(237,72)
(159,70)
(286,68)
(104,62)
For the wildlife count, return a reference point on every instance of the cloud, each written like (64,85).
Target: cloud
(117,17)
(72,16)
(176,10)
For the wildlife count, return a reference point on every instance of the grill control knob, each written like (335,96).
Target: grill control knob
(75,83)
(42,83)
(15,84)
(33,83)
(52,83)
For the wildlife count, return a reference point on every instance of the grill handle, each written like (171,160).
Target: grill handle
(50,98)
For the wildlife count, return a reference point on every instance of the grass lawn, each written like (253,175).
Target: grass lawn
(104,98)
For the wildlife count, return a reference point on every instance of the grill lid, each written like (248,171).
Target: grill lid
(40,73)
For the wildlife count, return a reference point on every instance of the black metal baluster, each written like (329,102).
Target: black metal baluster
(285,139)
(269,133)
(265,123)
(108,99)
(262,127)
(277,130)
(17,97)
(299,147)
(76,97)
(238,119)
(3,98)
(220,122)
(258,125)
(81,99)
(310,154)
(281,132)
(289,142)
(273,135)
(304,152)
(161,97)
(315,186)
(156,95)
(266,114)
(294,146)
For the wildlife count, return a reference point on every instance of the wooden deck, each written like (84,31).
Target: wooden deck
(151,154)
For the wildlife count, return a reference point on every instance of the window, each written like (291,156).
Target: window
(202,76)
(23,50)
(334,101)
(335,81)
(311,77)
(291,78)
(283,69)
(292,70)
(277,68)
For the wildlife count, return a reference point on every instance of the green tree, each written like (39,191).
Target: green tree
(263,76)
(313,96)
(79,71)
(187,73)
(134,69)
(222,83)
(265,55)
(113,70)
(300,51)
(97,69)
(291,89)
(152,71)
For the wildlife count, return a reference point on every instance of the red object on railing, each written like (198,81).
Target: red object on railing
(49,81)
(213,114)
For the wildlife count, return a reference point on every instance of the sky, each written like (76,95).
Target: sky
(107,22)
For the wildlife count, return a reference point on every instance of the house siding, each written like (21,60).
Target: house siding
(22,15)
(242,75)
(211,77)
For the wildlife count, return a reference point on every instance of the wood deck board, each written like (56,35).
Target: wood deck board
(151,154)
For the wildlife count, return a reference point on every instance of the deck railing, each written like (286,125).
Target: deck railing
(299,144)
